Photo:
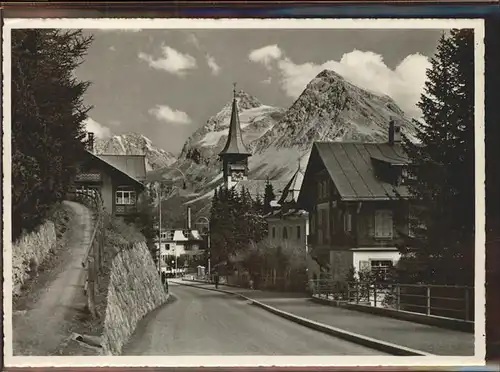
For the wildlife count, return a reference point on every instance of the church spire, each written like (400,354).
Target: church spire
(234,144)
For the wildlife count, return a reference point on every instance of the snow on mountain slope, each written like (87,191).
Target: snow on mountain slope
(329,109)
(255,119)
(135,144)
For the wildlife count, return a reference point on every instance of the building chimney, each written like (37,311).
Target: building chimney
(394,132)
(90,142)
(189,218)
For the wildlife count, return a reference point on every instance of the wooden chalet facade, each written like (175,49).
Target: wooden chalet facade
(356,197)
(118,179)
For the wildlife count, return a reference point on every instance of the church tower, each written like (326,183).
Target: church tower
(234,155)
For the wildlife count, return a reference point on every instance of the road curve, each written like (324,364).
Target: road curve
(201,322)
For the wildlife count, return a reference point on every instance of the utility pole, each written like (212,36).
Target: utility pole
(159,227)
(208,248)
(175,252)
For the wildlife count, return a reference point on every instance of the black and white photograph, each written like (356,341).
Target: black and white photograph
(195,192)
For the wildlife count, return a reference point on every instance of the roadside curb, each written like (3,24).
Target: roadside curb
(372,343)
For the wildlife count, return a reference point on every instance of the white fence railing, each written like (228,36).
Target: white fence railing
(456,302)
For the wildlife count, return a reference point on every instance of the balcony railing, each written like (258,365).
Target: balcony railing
(88,177)
(122,210)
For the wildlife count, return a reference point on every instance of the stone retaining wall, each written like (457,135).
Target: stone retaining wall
(29,252)
(134,290)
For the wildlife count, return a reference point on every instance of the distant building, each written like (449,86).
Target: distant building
(287,223)
(178,243)
(234,155)
(355,195)
(119,179)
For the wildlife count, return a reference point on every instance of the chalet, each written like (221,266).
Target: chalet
(119,179)
(289,224)
(175,243)
(356,197)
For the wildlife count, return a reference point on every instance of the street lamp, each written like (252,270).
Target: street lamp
(208,241)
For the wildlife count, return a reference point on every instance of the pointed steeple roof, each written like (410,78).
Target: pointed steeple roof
(291,191)
(235,144)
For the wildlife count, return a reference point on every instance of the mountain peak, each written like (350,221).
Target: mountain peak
(245,100)
(134,143)
(329,74)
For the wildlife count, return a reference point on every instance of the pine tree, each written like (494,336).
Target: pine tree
(260,228)
(443,165)
(269,196)
(47,120)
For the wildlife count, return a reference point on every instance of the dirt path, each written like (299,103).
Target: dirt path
(42,327)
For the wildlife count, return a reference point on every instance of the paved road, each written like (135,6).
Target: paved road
(43,326)
(201,322)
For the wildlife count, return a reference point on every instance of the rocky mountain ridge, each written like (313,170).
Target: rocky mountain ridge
(329,109)
(135,144)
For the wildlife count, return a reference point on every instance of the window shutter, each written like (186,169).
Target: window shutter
(364,265)
(347,222)
(383,224)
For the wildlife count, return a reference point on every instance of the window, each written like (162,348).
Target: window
(347,222)
(380,268)
(167,247)
(125,197)
(285,233)
(383,224)
(320,189)
(274,232)
(298,232)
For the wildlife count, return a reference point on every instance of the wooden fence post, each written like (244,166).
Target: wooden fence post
(428,300)
(95,255)
(91,288)
(467,303)
(398,297)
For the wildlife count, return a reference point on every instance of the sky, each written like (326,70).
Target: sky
(165,84)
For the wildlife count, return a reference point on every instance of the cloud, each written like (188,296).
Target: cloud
(172,61)
(169,115)
(267,81)
(214,67)
(365,69)
(112,48)
(99,130)
(193,40)
(266,55)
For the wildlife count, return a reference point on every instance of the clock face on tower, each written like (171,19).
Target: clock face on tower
(237,176)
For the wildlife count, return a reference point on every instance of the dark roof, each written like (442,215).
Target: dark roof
(132,165)
(282,214)
(394,160)
(106,161)
(234,144)
(291,191)
(350,167)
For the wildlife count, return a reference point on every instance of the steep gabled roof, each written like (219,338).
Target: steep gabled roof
(235,144)
(351,169)
(132,165)
(105,161)
(290,194)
